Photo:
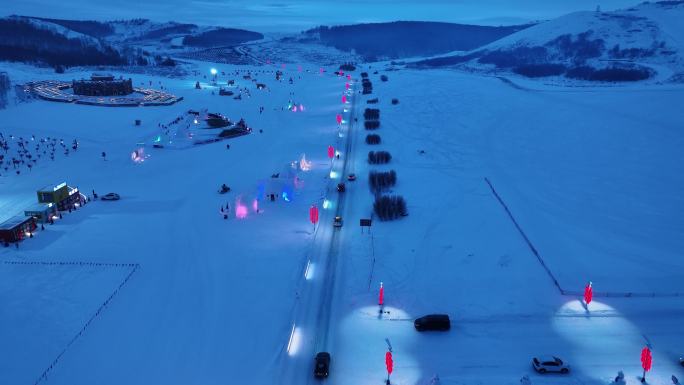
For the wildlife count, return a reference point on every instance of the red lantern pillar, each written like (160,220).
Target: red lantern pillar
(313,215)
(646,361)
(588,293)
(331,152)
(339,119)
(381,295)
(389,364)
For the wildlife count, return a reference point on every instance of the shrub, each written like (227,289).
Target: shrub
(364,74)
(379,157)
(540,70)
(372,124)
(372,139)
(610,74)
(395,101)
(515,57)
(383,78)
(348,67)
(389,207)
(579,49)
(380,181)
(372,101)
(371,114)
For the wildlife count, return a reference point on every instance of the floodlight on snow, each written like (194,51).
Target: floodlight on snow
(213,71)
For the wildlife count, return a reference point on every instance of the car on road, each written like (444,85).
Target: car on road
(338,221)
(322,365)
(351,177)
(681,361)
(341,187)
(433,322)
(548,364)
(111,197)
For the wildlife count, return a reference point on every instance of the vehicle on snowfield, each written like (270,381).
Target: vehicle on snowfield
(111,197)
(341,187)
(433,322)
(338,221)
(351,177)
(547,364)
(322,365)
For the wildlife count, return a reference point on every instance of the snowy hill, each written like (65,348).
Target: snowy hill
(86,42)
(631,44)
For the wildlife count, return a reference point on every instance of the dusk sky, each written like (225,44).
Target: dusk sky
(289,16)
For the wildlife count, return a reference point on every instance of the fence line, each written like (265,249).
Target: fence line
(553,277)
(97,313)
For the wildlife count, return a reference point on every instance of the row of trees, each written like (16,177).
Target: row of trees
(379,157)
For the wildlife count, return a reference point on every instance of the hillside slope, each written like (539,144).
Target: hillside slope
(632,44)
(402,39)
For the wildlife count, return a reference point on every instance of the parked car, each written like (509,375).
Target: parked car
(351,177)
(433,322)
(547,364)
(681,361)
(338,221)
(341,187)
(322,365)
(111,197)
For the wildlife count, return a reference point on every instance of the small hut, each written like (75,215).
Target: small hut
(41,212)
(17,228)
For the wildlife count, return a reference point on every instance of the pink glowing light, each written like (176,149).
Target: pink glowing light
(346,86)
(344,99)
(138,156)
(339,119)
(348,77)
(294,108)
(240,209)
(304,164)
(255,205)
(301,107)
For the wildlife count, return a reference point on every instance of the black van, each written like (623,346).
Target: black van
(433,322)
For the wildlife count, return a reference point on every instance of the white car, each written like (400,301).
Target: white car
(548,364)
(111,197)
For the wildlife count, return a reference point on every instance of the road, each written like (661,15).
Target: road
(310,329)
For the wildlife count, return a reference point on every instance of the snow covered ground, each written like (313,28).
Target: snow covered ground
(591,176)
(211,299)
